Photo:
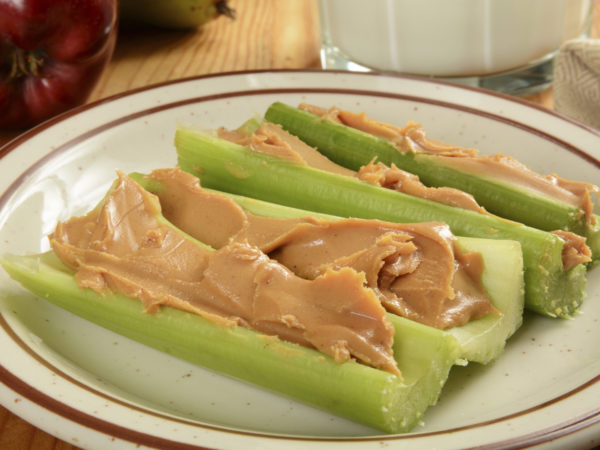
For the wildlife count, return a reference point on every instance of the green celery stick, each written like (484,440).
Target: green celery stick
(352,390)
(353,148)
(481,340)
(222,165)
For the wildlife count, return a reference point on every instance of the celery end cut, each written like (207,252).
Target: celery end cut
(222,165)
(352,390)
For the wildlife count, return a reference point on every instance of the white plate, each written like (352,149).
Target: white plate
(97,390)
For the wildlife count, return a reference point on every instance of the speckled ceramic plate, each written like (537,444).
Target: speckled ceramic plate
(96,389)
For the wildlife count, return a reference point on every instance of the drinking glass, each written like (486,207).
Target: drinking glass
(503,45)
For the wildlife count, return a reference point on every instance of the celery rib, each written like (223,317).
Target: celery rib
(353,148)
(225,166)
(365,394)
(352,390)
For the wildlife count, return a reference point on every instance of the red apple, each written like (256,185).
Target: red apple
(52,53)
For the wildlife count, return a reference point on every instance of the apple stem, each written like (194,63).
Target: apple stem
(25,63)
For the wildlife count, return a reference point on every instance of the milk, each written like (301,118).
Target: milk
(451,38)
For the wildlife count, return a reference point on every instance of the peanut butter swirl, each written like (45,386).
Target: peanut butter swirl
(414,269)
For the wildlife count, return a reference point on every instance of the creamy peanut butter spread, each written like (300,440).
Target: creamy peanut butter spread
(399,180)
(412,138)
(271,139)
(124,245)
(575,251)
(415,269)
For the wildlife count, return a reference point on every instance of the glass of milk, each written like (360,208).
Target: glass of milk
(504,45)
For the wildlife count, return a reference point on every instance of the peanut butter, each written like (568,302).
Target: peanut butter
(126,246)
(575,251)
(399,180)
(272,140)
(414,269)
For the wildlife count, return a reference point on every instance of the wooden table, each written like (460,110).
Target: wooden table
(267,34)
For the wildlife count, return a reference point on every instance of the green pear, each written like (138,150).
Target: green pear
(177,14)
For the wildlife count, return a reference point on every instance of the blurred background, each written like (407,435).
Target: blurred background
(265,34)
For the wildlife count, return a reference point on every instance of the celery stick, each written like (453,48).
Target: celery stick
(358,392)
(481,340)
(353,148)
(222,165)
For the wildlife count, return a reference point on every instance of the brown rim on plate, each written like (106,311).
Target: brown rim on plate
(587,419)
(60,117)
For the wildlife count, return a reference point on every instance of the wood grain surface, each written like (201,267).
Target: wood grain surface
(267,34)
